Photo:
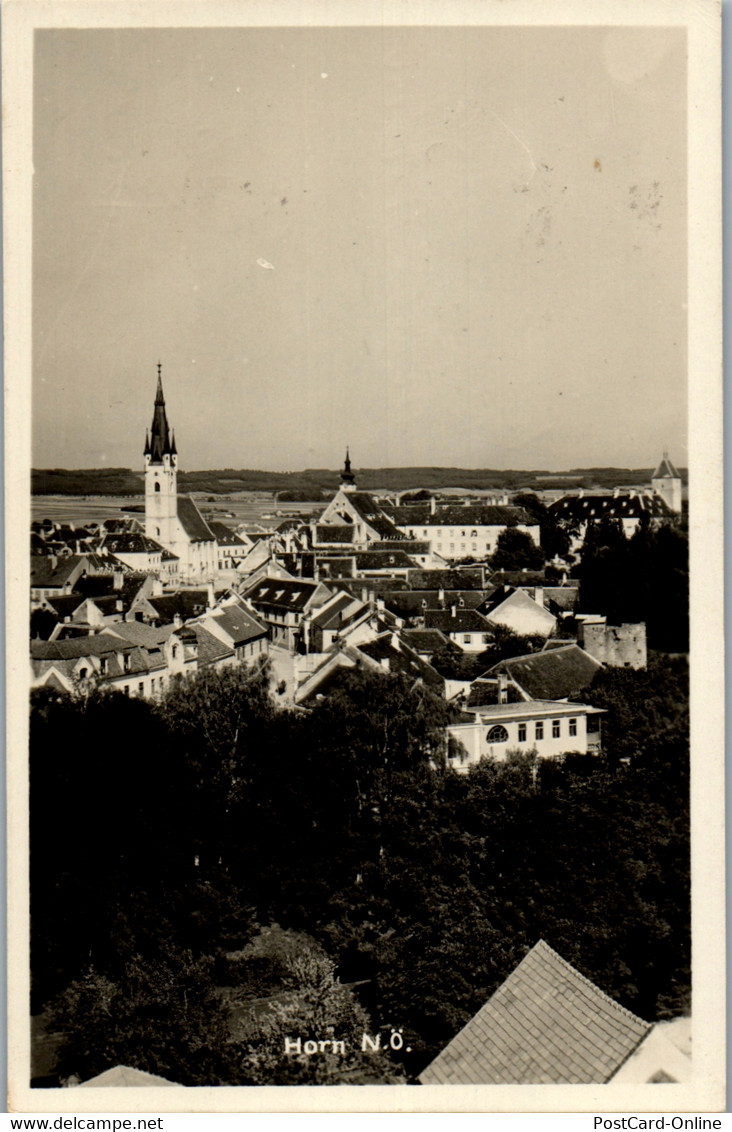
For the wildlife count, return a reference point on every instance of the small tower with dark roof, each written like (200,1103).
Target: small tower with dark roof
(666,483)
(348,479)
(161,474)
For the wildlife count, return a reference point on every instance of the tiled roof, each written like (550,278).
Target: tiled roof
(223,534)
(341,533)
(586,507)
(373,513)
(332,615)
(459,515)
(239,625)
(192,521)
(486,692)
(65,604)
(546,1024)
(125,1075)
(563,597)
(102,585)
(401,659)
(131,542)
(383,560)
(282,593)
(137,633)
(45,573)
(415,602)
(446,579)
(210,648)
(186,603)
(517,578)
(551,675)
(427,640)
(666,470)
(461,621)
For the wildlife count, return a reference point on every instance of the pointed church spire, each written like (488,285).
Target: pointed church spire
(159,435)
(348,479)
(146,451)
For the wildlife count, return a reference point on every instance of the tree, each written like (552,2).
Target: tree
(163,1015)
(313,1010)
(555,533)
(516,550)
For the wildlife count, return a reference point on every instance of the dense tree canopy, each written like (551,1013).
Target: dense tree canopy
(643,578)
(153,860)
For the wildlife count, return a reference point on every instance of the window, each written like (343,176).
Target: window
(497,734)
(573,727)
(539,732)
(157,486)
(82,673)
(141,689)
(466,638)
(522,732)
(174,651)
(126,689)
(556,728)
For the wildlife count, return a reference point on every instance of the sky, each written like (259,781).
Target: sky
(440,246)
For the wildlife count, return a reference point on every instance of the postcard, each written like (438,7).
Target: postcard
(363,406)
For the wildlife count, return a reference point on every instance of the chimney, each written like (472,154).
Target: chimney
(119,605)
(364,594)
(502,688)
(380,607)
(177,621)
(616,492)
(54,561)
(441,596)
(118,579)
(453,609)
(210,596)
(539,595)
(433,505)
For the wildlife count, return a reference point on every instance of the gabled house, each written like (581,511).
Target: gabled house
(461,530)
(283,603)
(626,507)
(517,611)
(466,628)
(128,657)
(236,627)
(549,1024)
(335,620)
(54,576)
(552,674)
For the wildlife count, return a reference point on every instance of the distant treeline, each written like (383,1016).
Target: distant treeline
(312,482)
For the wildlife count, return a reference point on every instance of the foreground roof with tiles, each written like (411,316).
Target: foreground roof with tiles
(546,1024)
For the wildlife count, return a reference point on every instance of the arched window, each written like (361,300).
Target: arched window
(498,734)
(157,485)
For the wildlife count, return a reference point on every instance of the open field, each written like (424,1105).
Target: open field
(245,506)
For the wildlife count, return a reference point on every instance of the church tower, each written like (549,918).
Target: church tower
(666,482)
(161,475)
(348,479)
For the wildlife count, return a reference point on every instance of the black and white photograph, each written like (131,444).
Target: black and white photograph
(363,412)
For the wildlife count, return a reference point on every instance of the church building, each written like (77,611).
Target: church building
(174,520)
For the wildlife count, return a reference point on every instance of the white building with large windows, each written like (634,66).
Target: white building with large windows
(551,729)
